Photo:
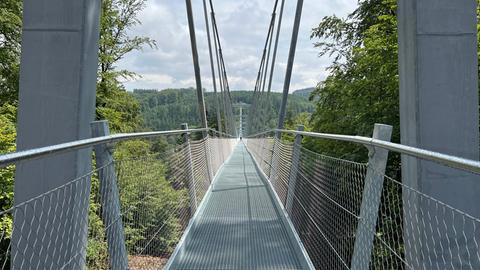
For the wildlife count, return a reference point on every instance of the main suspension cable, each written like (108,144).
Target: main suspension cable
(258,101)
(212,67)
(225,88)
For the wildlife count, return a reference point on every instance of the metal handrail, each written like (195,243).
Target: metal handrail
(444,159)
(12,158)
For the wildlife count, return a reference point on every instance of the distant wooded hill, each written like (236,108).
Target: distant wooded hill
(304,92)
(167,109)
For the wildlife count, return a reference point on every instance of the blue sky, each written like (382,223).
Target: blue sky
(243,26)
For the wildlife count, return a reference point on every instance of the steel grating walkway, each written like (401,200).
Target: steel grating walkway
(240,225)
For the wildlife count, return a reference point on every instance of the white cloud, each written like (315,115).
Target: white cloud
(150,80)
(243,25)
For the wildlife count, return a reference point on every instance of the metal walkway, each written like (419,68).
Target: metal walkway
(240,225)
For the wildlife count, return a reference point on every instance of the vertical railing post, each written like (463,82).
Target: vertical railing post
(110,200)
(209,156)
(190,175)
(372,194)
(292,179)
(273,160)
(208,162)
(271,152)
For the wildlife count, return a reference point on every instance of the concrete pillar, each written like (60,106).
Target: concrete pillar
(439,112)
(57,103)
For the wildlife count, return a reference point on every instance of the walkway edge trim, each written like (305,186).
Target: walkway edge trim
(292,233)
(179,249)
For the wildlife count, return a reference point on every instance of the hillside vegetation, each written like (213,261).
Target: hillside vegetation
(306,92)
(167,109)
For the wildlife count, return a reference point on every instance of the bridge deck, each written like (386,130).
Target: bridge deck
(240,225)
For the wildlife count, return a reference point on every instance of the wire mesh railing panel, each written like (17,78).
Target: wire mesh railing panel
(281,167)
(262,150)
(417,231)
(216,154)
(155,206)
(130,213)
(331,201)
(326,207)
(49,230)
(201,177)
(219,150)
(325,202)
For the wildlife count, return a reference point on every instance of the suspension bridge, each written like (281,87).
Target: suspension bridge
(243,195)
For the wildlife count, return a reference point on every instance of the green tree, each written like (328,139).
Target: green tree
(362,88)
(7,145)
(10,36)
(113,102)
(150,202)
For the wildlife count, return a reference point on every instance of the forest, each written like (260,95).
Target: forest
(166,109)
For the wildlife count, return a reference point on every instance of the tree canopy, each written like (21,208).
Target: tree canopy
(362,88)
(113,102)
(167,109)
(10,36)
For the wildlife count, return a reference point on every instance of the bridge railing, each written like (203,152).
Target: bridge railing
(352,215)
(129,212)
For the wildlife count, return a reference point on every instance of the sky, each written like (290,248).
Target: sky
(243,26)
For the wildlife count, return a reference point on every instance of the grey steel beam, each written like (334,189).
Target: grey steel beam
(291,59)
(196,66)
(372,194)
(438,112)
(110,199)
(56,105)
